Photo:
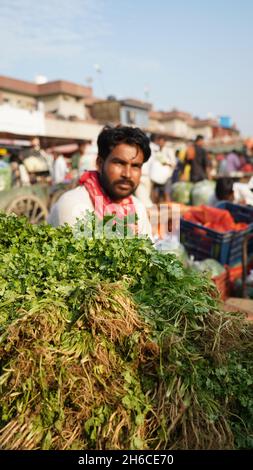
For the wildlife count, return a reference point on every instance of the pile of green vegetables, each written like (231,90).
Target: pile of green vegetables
(109,344)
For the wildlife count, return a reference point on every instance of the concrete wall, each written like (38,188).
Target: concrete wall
(64,105)
(73,130)
(180,128)
(177,127)
(18,100)
(21,121)
(156,126)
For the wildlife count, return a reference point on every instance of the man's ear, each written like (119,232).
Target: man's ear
(99,163)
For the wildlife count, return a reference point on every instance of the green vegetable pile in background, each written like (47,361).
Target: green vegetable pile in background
(109,344)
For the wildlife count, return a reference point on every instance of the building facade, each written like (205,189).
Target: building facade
(62,110)
(183,125)
(52,110)
(128,112)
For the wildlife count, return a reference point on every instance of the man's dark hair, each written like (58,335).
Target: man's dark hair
(109,137)
(224,188)
(199,137)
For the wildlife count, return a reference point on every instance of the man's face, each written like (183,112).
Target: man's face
(35,142)
(161,142)
(121,171)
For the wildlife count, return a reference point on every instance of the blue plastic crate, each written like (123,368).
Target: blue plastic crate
(240,214)
(202,242)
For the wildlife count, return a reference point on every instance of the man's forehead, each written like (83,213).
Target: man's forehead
(127,152)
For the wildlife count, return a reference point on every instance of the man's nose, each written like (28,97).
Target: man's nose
(127,171)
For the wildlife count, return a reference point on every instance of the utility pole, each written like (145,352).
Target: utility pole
(99,72)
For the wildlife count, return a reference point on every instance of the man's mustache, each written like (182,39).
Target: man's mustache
(125,181)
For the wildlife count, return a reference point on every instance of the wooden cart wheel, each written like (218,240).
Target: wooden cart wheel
(30,206)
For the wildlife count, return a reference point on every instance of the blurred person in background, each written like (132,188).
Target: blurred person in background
(78,158)
(248,150)
(143,191)
(15,175)
(60,168)
(233,162)
(222,164)
(155,170)
(87,161)
(37,162)
(35,150)
(198,160)
(246,164)
(179,168)
(154,143)
(162,166)
(223,191)
(185,168)
(244,192)
(213,165)
(20,176)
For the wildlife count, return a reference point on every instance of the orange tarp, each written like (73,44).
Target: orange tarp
(219,220)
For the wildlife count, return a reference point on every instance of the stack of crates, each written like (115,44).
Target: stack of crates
(226,248)
(240,214)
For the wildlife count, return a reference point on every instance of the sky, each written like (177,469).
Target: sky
(193,55)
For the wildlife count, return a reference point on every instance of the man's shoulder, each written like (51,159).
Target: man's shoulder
(72,205)
(73,192)
(78,194)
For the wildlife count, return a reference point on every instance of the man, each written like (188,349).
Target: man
(88,159)
(144,190)
(20,176)
(197,158)
(161,169)
(81,160)
(76,157)
(244,192)
(35,151)
(121,154)
(223,191)
(36,162)
(233,162)
(60,168)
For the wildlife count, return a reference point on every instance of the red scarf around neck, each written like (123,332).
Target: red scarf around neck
(103,205)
